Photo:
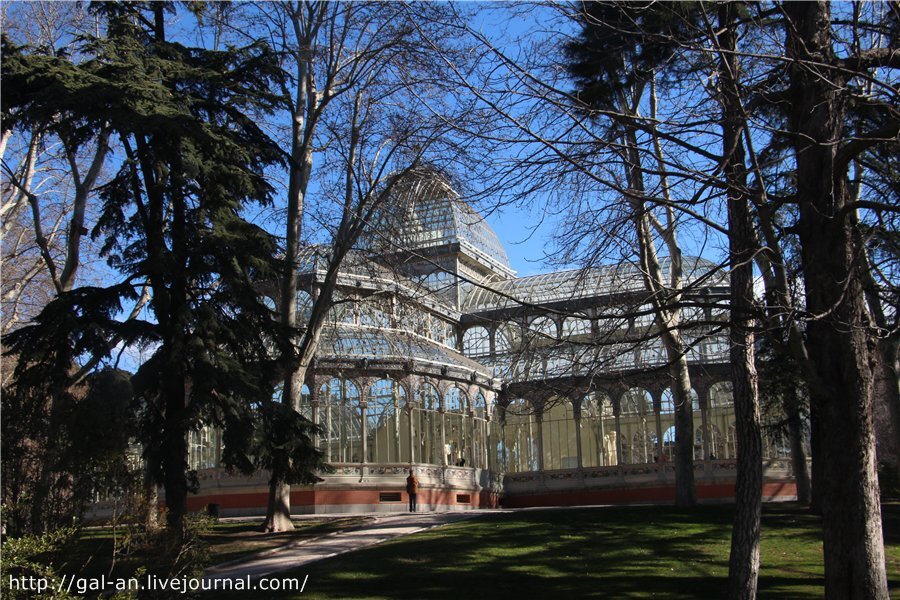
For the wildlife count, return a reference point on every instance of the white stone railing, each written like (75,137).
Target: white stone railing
(356,474)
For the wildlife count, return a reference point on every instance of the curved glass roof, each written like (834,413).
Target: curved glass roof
(350,342)
(429,213)
(575,284)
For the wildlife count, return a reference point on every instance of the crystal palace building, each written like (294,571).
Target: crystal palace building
(551,389)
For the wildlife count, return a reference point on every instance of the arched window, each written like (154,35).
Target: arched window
(383,409)
(269,303)
(669,443)
(598,431)
(343,421)
(480,405)
(304,306)
(426,426)
(636,401)
(645,316)
(643,445)
(476,341)
(519,437)
(544,327)
(720,416)
(667,402)
(560,440)
(480,432)
(455,401)
(720,395)
(575,326)
(458,442)
(306,408)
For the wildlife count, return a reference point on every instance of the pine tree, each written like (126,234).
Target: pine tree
(194,158)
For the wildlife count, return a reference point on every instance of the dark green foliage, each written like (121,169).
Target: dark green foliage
(30,557)
(284,445)
(170,220)
(78,445)
(621,43)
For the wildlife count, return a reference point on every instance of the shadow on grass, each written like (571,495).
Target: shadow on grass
(618,552)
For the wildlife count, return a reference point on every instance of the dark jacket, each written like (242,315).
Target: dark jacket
(412,484)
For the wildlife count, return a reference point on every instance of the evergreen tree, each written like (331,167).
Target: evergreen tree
(193,158)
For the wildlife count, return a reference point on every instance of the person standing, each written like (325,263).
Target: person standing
(412,488)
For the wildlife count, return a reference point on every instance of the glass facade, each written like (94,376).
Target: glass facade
(450,360)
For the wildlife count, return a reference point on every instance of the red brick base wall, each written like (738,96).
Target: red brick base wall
(664,494)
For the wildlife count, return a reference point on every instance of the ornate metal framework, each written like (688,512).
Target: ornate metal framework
(437,357)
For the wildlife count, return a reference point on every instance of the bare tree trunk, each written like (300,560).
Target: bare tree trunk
(886,385)
(838,329)
(798,450)
(780,329)
(83,189)
(303,109)
(278,511)
(667,317)
(743,562)
(151,499)
(885,369)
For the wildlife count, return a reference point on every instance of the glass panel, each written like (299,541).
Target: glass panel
(457,425)
(476,341)
(575,326)
(560,450)
(203,448)
(638,427)
(720,416)
(343,421)
(543,327)
(519,438)
(427,425)
(304,306)
(598,431)
(383,424)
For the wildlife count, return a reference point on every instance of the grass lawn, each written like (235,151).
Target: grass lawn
(620,552)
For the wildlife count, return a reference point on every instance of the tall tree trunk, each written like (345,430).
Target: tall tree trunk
(885,370)
(886,378)
(176,388)
(175,451)
(817,478)
(303,111)
(798,450)
(839,326)
(278,510)
(151,498)
(47,465)
(667,318)
(669,315)
(743,562)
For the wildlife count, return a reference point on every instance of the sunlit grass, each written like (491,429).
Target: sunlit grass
(619,552)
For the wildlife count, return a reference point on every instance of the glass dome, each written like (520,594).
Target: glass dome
(427,213)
